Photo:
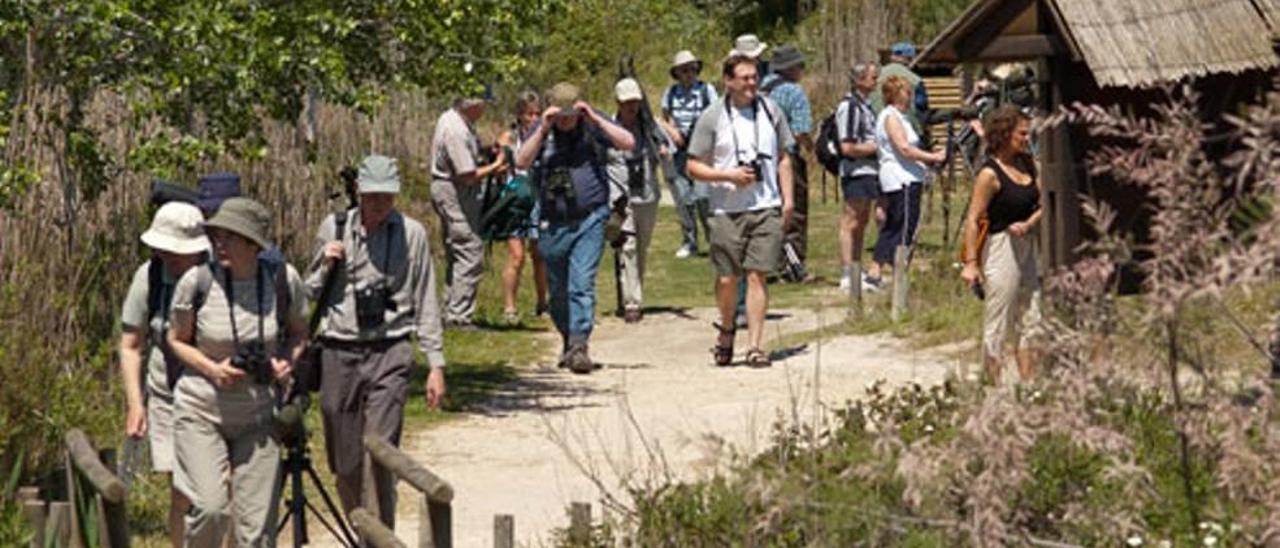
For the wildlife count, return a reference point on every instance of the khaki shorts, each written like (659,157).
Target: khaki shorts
(746,241)
(160,431)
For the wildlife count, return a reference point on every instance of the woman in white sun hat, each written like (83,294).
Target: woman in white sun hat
(177,243)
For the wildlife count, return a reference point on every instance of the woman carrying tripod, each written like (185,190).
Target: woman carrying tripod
(237,324)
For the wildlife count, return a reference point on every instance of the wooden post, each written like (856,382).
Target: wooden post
(901,281)
(440,516)
(504,531)
(114,522)
(855,290)
(34,511)
(58,524)
(579,524)
(372,531)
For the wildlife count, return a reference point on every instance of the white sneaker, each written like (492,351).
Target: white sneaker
(846,282)
(684,252)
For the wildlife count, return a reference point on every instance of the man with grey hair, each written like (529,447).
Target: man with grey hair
(859,182)
(383,294)
(456,175)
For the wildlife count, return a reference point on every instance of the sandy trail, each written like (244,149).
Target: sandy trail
(657,407)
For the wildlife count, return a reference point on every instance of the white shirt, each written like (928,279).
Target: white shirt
(742,135)
(896,170)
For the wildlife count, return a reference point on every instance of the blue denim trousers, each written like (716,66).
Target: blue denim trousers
(572,252)
(691,203)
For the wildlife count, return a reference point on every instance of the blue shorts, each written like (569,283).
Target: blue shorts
(860,187)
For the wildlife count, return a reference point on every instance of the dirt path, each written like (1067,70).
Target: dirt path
(657,405)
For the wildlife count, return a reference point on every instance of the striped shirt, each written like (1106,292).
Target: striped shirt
(856,123)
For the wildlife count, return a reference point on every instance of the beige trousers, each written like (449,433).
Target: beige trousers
(641,219)
(216,430)
(1013,291)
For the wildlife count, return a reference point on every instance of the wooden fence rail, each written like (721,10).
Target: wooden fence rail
(436,508)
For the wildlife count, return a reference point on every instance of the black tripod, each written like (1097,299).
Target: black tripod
(297,462)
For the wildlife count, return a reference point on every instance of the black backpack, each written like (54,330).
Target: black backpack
(827,146)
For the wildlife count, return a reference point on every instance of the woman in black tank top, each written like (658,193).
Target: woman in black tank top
(1003,268)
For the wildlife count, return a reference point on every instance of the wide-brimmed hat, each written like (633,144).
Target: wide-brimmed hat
(749,45)
(378,173)
(786,57)
(563,96)
(176,229)
(682,58)
(245,217)
(627,89)
(216,188)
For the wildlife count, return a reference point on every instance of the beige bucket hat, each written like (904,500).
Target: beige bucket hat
(176,229)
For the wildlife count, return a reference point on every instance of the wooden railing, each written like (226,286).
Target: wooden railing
(435,509)
(93,515)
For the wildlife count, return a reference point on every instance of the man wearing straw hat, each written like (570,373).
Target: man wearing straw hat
(682,104)
(456,174)
(384,294)
(177,243)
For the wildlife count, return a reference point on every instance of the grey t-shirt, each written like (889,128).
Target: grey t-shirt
(455,149)
(723,139)
(133,317)
(213,335)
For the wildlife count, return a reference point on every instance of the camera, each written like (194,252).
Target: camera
(756,165)
(372,304)
(635,175)
(560,183)
(252,359)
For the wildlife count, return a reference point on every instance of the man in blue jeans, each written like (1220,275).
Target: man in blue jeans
(567,155)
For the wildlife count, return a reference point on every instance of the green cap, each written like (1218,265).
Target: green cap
(245,217)
(563,96)
(378,174)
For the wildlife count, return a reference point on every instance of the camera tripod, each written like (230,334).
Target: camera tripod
(297,464)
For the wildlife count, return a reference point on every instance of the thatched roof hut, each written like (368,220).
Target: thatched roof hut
(1132,43)
(1115,52)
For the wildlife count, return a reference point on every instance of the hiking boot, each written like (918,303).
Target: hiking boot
(540,309)
(578,361)
(632,315)
(462,325)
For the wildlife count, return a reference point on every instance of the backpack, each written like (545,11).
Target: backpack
(827,146)
(507,211)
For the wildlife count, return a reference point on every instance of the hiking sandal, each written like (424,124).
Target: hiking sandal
(758,358)
(723,351)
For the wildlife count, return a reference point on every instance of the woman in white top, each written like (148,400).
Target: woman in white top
(902,173)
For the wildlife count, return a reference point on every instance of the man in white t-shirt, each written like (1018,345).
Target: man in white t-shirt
(739,149)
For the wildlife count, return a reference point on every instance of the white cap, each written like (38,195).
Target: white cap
(627,89)
(177,228)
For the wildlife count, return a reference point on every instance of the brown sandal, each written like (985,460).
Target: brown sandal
(758,358)
(724,352)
